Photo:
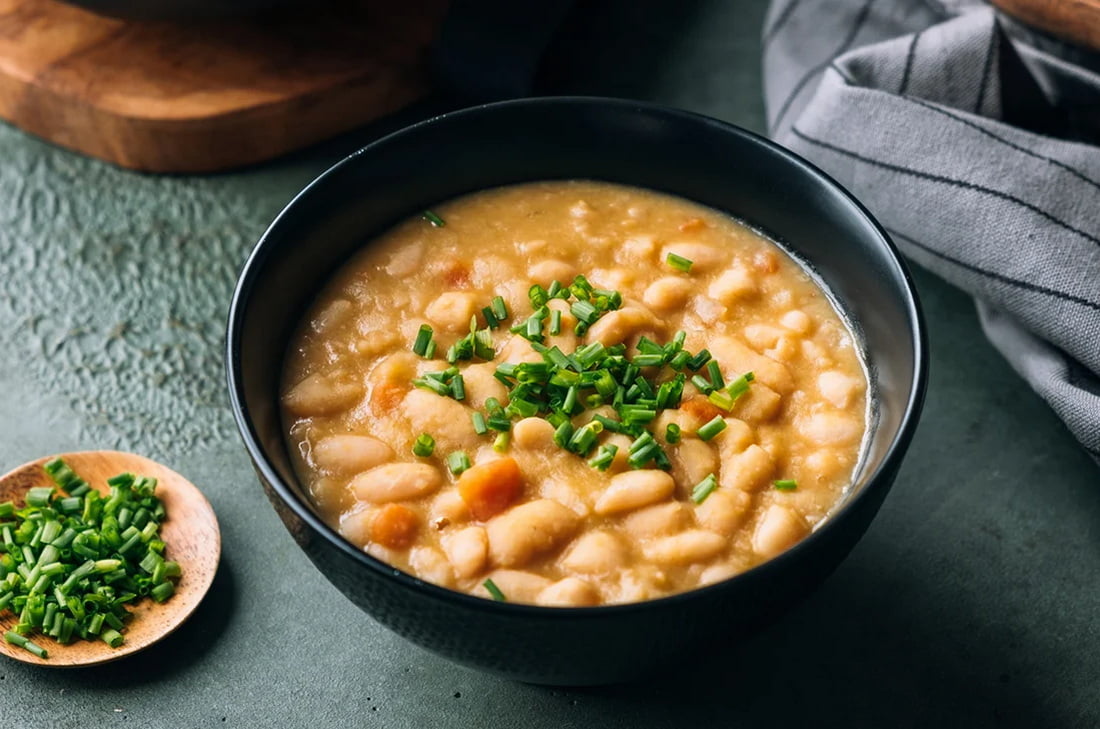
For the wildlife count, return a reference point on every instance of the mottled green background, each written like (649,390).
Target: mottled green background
(972,601)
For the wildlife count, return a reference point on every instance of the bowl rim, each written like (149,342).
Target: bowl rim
(879,479)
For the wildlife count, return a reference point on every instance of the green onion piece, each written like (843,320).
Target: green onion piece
(494,591)
(555,322)
(604,457)
(423,339)
(500,445)
(480,427)
(424,445)
(458,462)
(500,309)
(680,360)
(679,262)
(434,219)
(433,384)
(740,386)
(701,383)
(458,388)
(701,358)
(585,312)
(39,496)
(111,637)
(649,360)
(721,399)
(672,434)
(162,591)
(563,433)
(712,428)
(785,485)
(704,488)
(715,374)
(15,639)
(538,296)
(7,510)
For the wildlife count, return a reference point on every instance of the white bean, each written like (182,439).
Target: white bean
(732,285)
(350,453)
(448,508)
(724,511)
(452,310)
(759,405)
(668,293)
(552,269)
(832,429)
(430,565)
(717,573)
(355,526)
(748,470)
(797,321)
(779,529)
(528,530)
(737,358)
(570,592)
(617,326)
(321,395)
(481,385)
(837,387)
(447,420)
(657,520)
(695,545)
(737,436)
(703,257)
(598,552)
(533,434)
(762,336)
(396,482)
(692,460)
(468,551)
(633,490)
(517,585)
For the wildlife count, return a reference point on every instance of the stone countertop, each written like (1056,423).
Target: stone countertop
(972,600)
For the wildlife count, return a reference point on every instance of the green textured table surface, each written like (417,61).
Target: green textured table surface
(972,601)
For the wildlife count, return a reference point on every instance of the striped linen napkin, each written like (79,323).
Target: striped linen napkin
(975,142)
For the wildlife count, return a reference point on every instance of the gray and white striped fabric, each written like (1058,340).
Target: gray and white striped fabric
(919,107)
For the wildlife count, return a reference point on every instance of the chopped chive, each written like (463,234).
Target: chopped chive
(480,427)
(785,485)
(490,318)
(715,374)
(423,340)
(430,383)
(494,591)
(499,308)
(704,488)
(672,434)
(679,262)
(39,496)
(703,384)
(458,388)
(563,433)
(649,360)
(434,219)
(538,296)
(555,322)
(721,399)
(111,637)
(604,457)
(16,639)
(712,428)
(500,444)
(680,360)
(424,445)
(701,358)
(457,462)
(740,386)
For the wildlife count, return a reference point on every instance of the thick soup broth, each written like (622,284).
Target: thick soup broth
(660,398)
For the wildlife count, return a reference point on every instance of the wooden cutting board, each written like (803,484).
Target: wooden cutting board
(1077,21)
(166,97)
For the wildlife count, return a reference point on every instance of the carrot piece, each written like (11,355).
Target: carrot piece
(394,526)
(701,408)
(490,488)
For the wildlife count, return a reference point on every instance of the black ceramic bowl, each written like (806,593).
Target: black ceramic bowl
(676,152)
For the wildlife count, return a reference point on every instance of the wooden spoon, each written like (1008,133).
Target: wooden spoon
(190,533)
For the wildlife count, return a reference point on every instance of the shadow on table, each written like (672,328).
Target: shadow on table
(860,652)
(174,654)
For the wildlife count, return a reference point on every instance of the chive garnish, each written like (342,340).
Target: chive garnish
(495,591)
(672,434)
(604,457)
(679,262)
(555,322)
(72,560)
(500,444)
(434,219)
(785,485)
(424,445)
(499,308)
(480,426)
(458,462)
(423,340)
(712,428)
(704,488)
